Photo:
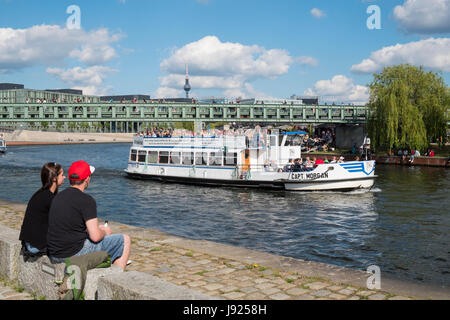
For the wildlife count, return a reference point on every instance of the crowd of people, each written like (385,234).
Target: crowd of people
(298,165)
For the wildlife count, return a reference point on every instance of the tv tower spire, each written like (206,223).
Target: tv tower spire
(187,86)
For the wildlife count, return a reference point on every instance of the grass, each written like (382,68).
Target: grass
(189,254)
(289,280)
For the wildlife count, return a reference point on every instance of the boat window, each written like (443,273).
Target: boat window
(215,158)
(273,141)
(188,158)
(164,157)
(153,157)
(175,157)
(141,156)
(133,155)
(231,159)
(201,158)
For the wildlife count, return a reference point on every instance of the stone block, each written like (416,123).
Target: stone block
(134,285)
(9,253)
(39,276)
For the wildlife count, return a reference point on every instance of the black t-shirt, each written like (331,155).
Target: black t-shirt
(67,230)
(35,223)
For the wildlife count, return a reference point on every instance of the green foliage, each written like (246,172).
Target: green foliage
(408,107)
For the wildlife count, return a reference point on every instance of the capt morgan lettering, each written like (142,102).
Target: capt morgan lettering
(309,176)
(200,310)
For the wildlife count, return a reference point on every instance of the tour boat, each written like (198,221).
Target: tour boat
(259,160)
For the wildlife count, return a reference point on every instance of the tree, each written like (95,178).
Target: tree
(408,107)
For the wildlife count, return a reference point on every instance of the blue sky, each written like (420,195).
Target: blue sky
(244,48)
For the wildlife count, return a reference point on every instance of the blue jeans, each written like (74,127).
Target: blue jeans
(112,244)
(31,249)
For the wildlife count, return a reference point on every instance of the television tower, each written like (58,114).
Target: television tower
(187,86)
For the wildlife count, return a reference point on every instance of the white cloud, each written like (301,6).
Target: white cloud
(305,60)
(166,92)
(51,45)
(339,89)
(424,16)
(431,53)
(90,80)
(317,13)
(214,64)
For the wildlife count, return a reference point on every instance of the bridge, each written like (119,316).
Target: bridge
(134,116)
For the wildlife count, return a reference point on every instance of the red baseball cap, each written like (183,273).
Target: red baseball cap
(82,169)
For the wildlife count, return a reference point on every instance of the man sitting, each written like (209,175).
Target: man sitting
(73,224)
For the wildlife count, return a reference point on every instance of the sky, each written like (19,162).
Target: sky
(245,48)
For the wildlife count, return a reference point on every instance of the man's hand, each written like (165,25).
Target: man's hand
(106,230)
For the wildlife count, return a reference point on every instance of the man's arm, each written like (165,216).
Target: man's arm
(96,233)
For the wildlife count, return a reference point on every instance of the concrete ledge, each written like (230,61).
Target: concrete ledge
(9,253)
(40,275)
(136,285)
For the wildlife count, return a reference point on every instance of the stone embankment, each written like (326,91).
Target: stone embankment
(26,137)
(225,272)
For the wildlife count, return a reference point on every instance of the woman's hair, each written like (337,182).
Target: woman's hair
(49,173)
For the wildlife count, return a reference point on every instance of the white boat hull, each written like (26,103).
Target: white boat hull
(327,177)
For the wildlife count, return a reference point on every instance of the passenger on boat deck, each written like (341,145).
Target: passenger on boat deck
(341,159)
(297,165)
(318,161)
(357,158)
(274,166)
(290,166)
(308,163)
(333,160)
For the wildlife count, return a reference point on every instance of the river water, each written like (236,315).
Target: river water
(402,225)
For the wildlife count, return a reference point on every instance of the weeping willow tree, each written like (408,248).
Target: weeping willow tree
(408,108)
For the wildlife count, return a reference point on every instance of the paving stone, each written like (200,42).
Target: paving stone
(227,289)
(399,298)
(354,298)
(335,288)
(305,297)
(317,285)
(196,283)
(249,289)
(213,286)
(378,296)
(365,293)
(346,291)
(270,291)
(297,291)
(279,296)
(321,293)
(234,295)
(337,296)
(264,286)
(256,296)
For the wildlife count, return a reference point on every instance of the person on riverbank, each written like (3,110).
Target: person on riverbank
(33,233)
(73,224)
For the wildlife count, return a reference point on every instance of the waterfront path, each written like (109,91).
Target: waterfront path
(235,273)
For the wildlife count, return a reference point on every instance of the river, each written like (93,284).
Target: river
(402,225)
